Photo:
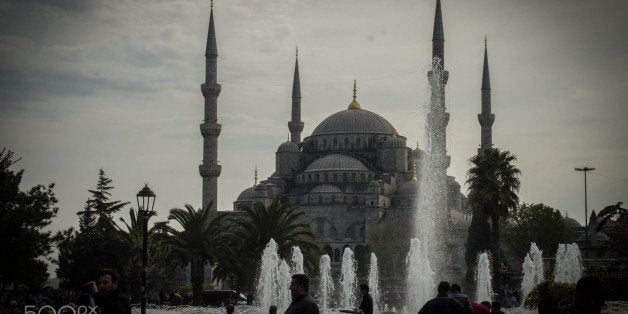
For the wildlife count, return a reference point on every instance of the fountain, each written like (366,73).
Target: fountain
(568,267)
(326,286)
(297,261)
(283,293)
(348,280)
(483,278)
(537,258)
(420,281)
(532,269)
(374,283)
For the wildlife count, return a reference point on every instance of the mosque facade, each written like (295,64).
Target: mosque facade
(353,172)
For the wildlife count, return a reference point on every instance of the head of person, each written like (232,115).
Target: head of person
(230,308)
(487,304)
(496,306)
(272,309)
(108,281)
(456,288)
(364,289)
(590,294)
(300,285)
(444,288)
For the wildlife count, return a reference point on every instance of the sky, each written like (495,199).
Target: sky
(116,85)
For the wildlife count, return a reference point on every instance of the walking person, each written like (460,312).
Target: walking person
(442,303)
(302,302)
(107,294)
(366,306)
(456,294)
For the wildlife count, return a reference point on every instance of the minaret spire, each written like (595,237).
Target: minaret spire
(296,125)
(210,128)
(486,118)
(438,38)
(255,178)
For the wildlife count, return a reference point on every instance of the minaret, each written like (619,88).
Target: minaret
(486,118)
(438,37)
(296,125)
(210,129)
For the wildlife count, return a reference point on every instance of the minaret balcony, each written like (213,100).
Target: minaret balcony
(295,126)
(210,89)
(210,129)
(486,119)
(209,170)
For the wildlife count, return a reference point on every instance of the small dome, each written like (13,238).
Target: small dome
(394,142)
(354,121)
(326,188)
(247,194)
(571,223)
(288,147)
(336,163)
(409,188)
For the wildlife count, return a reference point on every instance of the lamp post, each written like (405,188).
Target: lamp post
(145,206)
(586,216)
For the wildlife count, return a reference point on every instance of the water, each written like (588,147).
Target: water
(420,279)
(568,267)
(326,287)
(297,261)
(266,292)
(537,258)
(483,279)
(374,282)
(283,293)
(529,273)
(348,280)
(432,214)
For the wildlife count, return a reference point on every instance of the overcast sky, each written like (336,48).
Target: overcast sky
(116,84)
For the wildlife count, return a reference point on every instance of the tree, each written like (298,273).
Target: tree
(390,241)
(252,232)
(493,185)
(537,223)
(158,251)
(611,212)
(197,243)
(478,240)
(23,217)
(96,244)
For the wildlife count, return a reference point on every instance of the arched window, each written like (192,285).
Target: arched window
(326,177)
(309,178)
(344,177)
(353,177)
(335,143)
(316,178)
(346,142)
(357,142)
(355,199)
(320,199)
(324,143)
(333,198)
(362,177)
(335,177)
(320,226)
(370,177)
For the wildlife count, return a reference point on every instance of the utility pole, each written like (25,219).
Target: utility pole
(586,216)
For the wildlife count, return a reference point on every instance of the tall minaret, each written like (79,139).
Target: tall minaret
(438,37)
(296,125)
(210,129)
(486,118)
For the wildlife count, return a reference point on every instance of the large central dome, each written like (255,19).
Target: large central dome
(354,121)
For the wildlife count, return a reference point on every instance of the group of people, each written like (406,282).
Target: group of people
(450,299)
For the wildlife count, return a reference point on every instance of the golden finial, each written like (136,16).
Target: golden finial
(255,182)
(414,178)
(297,54)
(211,4)
(484,41)
(354,104)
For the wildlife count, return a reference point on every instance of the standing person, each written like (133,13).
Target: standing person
(107,294)
(589,296)
(367,301)
(302,302)
(456,294)
(479,308)
(272,309)
(230,308)
(442,303)
(496,308)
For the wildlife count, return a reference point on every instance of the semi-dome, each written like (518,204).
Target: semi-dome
(394,142)
(354,121)
(409,188)
(326,188)
(336,163)
(247,194)
(288,147)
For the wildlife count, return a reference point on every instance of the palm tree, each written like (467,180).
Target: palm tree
(198,242)
(493,185)
(611,212)
(131,235)
(252,232)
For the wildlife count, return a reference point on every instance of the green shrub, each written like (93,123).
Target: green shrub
(562,291)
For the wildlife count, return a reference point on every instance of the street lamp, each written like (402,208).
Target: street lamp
(145,206)
(586,216)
